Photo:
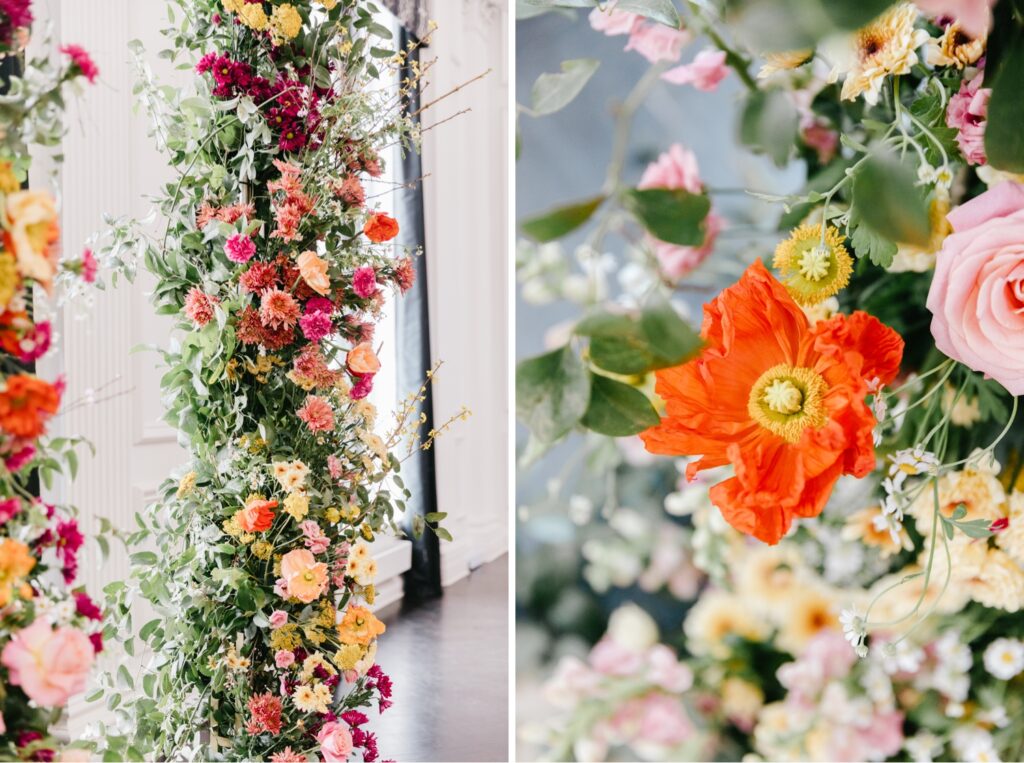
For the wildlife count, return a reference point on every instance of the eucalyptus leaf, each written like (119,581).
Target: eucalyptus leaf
(552,92)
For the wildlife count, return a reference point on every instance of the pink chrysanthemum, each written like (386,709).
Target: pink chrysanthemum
(334,466)
(259,278)
(239,248)
(287,755)
(364,281)
(264,714)
(315,326)
(199,306)
(317,413)
(81,60)
(89,266)
(310,365)
(278,309)
(351,191)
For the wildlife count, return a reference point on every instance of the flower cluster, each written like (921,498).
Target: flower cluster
(50,630)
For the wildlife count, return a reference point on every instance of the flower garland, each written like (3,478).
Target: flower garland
(49,629)
(845,425)
(276,264)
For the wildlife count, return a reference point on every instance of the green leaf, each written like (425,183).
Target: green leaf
(887,199)
(672,215)
(552,392)
(1004,138)
(552,92)
(144,559)
(561,220)
(847,15)
(769,124)
(662,11)
(669,334)
(867,242)
(443,534)
(629,344)
(976,528)
(616,409)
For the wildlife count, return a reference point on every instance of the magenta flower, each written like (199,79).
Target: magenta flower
(81,61)
(364,281)
(315,326)
(239,248)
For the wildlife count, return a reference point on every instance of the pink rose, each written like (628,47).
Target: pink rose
(977,295)
(678,261)
(49,665)
(705,71)
(657,42)
(676,168)
(335,741)
(283,658)
(613,22)
(975,16)
(278,618)
(967,113)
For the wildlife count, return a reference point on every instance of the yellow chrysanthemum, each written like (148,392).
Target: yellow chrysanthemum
(783,61)
(328,4)
(297,504)
(253,16)
(230,526)
(285,23)
(813,268)
(332,515)
(8,278)
(954,48)
(369,594)
(233,6)
(348,655)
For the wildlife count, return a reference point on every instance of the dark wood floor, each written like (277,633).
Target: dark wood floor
(449,663)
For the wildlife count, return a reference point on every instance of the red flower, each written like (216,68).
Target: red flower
(380,228)
(82,61)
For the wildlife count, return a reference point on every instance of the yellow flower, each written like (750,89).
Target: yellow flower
(235,661)
(253,16)
(233,6)
(305,699)
(366,532)
(783,61)
(348,655)
(33,231)
(327,615)
(369,594)
(15,563)
(954,48)
(332,515)
(285,23)
(886,46)
(808,612)
(313,634)
(1011,540)
(351,513)
(8,182)
(8,278)
(291,475)
(328,4)
(311,663)
(264,364)
(811,266)
(741,700)
(297,504)
(187,484)
(286,637)
(717,615)
(920,259)
(230,526)
(261,549)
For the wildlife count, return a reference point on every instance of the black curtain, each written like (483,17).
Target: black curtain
(423,580)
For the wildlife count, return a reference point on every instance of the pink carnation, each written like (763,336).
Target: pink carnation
(364,281)
(35,343)
(362,388)
(967,112)
(81,60)
(20,456)
(334,466)
(315,539)
(199,306)
(278,618)
(613,22)
(705,71)
(678,261)
(316,325)
(89,266)
(318,414)
(50,665)
(977,294)
(278,309)
(319,305)
(239,248)
(657,42)
(9,508)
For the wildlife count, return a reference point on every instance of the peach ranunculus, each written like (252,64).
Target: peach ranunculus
(335,742)
(50,665)
(359,626)
(362,360)
(256,516)
(313,270)
(977,294)
(32,230)
(380,227)
(305,578)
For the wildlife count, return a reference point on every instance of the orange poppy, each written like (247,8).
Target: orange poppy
(257,516)
(26,404)
(359,626)
(779,399)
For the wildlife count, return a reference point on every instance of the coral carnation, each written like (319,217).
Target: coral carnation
(239,248)
(264,714)
(781,401)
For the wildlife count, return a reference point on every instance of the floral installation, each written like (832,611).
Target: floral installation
(50,629)
(844,423)
(276,262)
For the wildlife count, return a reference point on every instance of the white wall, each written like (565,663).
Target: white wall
(466,198)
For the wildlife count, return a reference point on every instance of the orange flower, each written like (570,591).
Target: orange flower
(257,516)
(15,563)
(26,403)
(380,228)
(305,578)
(359,626)
(362,360)
(31,232)
(314,272)
(780,400)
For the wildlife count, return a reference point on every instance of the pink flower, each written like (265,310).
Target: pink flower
(315,540)
(19,457)
(975,16)
(288,755)
(967,112)
(665,670)
(239,248)
(49,665)
(362,388)
(335,742)
(283,658)
(264,714)
(613,659)
(81,60)
(278,309)
(977,294)
(278,618)
(657,42)
(334,466)
(199,306)
(655,718)
(86,607)
(351,191)
(89,266)
(317,413)
(613,22)
(35,343)
(364,281)
(705,71)
(820,137)
(9,508)
(319,305)
(316,325)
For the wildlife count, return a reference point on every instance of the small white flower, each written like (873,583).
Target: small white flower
(954,710)
(913,462)
(997,716)
(853,626)
(926,174)
(581,509)
(923,746)
(1004,658)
